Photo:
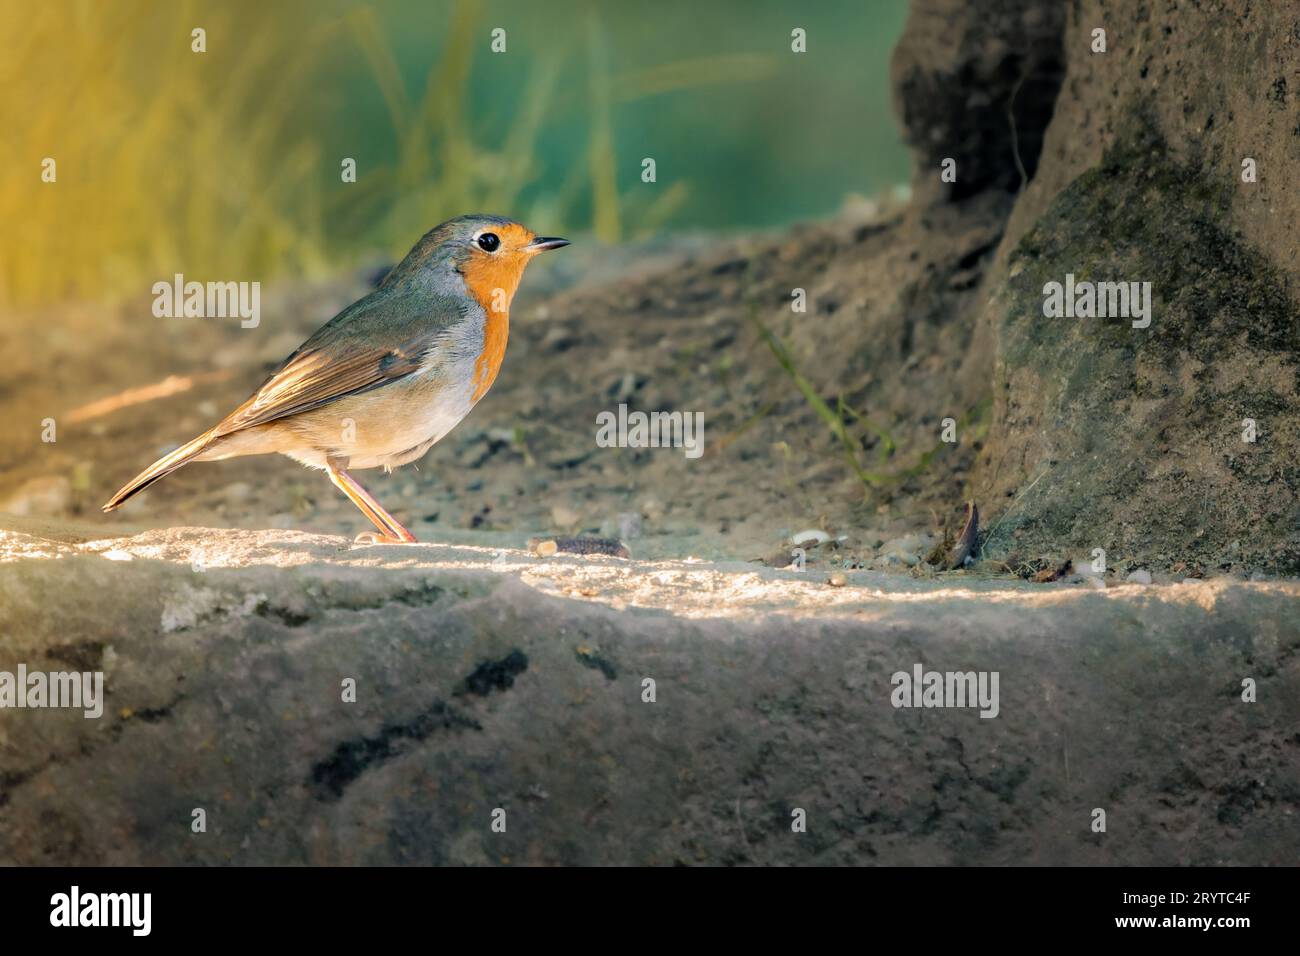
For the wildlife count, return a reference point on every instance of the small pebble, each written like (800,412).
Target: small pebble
(564,517)
(1140,576)
(837,579)
(237,491)
(546,548)
(809,539)
(629,525)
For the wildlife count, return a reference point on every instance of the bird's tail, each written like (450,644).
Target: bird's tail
(160,469)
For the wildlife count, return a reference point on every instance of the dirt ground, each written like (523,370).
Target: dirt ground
(657,328)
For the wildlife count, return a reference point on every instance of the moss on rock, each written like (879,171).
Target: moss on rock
(1133,439)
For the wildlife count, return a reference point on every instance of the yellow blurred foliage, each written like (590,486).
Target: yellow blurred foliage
(163,157)
(212,163)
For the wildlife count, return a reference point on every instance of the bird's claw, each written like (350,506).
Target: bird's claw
(372,537)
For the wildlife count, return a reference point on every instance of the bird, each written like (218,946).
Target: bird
(384,380)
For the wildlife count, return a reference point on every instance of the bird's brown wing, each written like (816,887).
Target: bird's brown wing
(312,379)
(362,348)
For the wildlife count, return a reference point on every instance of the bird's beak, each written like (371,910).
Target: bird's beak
(542,243)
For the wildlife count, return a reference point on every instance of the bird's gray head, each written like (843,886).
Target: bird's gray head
(487,253)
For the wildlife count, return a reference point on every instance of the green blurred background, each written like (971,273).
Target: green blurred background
(226,164)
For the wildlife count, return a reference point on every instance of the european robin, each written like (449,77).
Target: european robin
(388,376)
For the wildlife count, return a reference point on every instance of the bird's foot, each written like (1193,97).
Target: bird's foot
(373,537)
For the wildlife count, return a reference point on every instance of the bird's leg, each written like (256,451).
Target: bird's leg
(391,532)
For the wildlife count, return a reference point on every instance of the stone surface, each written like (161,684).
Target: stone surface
(977,83)
(1132,439)
(488,678)
(1126,165)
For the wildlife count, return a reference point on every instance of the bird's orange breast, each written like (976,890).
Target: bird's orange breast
(495,333)
(492,281)
(493,293)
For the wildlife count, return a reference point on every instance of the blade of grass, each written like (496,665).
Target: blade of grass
(836,424)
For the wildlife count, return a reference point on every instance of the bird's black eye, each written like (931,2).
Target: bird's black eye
(488,242)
